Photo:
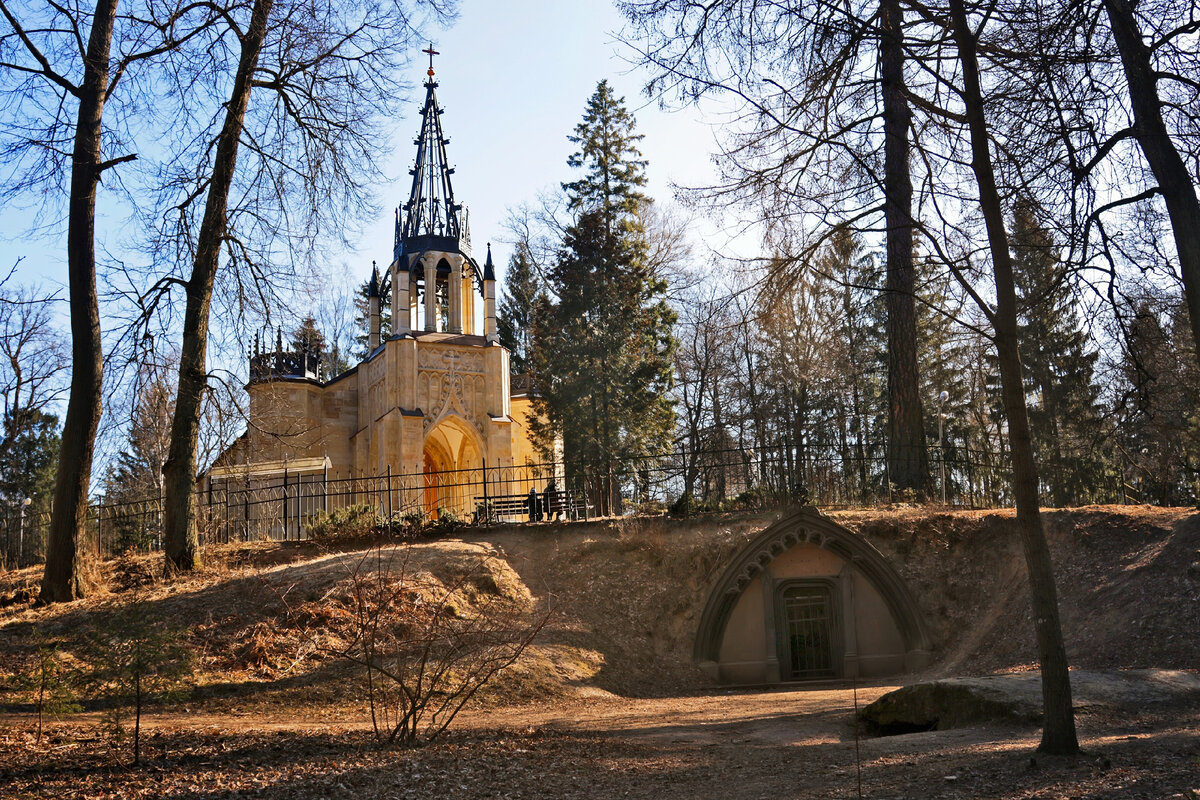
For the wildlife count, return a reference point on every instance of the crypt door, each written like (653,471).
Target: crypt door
(808,640)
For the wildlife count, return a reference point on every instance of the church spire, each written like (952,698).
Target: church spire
(431,218)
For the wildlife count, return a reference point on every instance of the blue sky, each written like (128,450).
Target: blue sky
(514,77)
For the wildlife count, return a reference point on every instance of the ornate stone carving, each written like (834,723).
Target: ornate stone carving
(450,380)
(451,360)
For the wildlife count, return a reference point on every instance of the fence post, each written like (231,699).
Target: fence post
(286,531)
(389,491)
(325,488)
(487,505)
(583,474)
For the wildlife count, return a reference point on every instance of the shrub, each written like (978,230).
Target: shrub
(351,522)
(426,645)
(447,523)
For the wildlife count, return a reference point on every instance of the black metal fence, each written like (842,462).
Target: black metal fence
(285,506)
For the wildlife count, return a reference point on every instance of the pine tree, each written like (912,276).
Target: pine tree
(1063,413)
(1160,423)
(28,457)
(514,320)
(133,483)
(362,317)
(602,346)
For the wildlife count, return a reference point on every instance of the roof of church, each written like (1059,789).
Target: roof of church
(432,219)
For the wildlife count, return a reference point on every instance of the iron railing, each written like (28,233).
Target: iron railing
(284,506)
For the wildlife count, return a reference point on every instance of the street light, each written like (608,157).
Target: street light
(942,398)
(21,532)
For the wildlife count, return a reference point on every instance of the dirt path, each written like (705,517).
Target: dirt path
(789,744)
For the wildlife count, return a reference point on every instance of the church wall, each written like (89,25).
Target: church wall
(521,412)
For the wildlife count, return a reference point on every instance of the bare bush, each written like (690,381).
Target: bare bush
(427,643)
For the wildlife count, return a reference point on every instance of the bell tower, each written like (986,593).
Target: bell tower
(436,281)
(430,407)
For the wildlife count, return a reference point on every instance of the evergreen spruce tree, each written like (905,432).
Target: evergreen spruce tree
(307,337)
(944,350)
(514,319)
(1063,413)
(28,457)
(362,317)
(602,346)
(1160,423)
(862,361)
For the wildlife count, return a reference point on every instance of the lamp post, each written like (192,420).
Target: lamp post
(942,398)
(21,532)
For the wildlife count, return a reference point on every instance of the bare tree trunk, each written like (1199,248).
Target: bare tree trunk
(63,578)
(179,511)
(1058,732)
(908,462)
(1174,181)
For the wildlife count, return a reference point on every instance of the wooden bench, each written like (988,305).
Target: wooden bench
(509,506)
(505,506)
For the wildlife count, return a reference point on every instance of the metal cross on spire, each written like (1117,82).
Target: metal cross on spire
(431,216)
(431,53)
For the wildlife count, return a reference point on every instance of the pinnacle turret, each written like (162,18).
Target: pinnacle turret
(431,219)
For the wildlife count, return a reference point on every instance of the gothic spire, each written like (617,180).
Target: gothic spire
(431,217)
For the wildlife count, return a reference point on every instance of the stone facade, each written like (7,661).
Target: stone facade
(809,599)
(432,398)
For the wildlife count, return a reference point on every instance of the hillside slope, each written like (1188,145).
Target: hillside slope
(628,594)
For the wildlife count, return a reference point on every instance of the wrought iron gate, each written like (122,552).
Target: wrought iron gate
(808,631)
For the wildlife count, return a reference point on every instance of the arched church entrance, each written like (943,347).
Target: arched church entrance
(809,599)
(453,461)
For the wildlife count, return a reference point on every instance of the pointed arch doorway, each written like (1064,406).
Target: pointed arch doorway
(452,462)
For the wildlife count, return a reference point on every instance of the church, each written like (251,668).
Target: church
(431,403)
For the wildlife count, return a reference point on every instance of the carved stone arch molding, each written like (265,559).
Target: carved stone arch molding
(807,525)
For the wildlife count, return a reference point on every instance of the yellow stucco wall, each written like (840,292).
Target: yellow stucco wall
(438,394)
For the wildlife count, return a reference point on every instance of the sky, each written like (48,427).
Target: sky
(514,76)
(513,80)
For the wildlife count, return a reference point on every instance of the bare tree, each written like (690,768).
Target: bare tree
(315,68)
(1145,66)
(33,372)
(33,362)
(180,537)
(64,578)
(64,51)
(824,95)
(967,88)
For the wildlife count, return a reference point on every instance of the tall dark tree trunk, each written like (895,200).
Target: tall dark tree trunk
(63,578)
(907,459)
(179,509)
(1174,180)
(1058,732)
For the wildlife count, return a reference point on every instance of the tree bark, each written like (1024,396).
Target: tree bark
(1058,731)
(907,459)
(1150,130)
(64,577)
(179,509)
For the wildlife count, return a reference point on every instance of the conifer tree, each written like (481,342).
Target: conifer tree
(1058,365)
(514,320)
(602,346)
(1160,423)
(362,319)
